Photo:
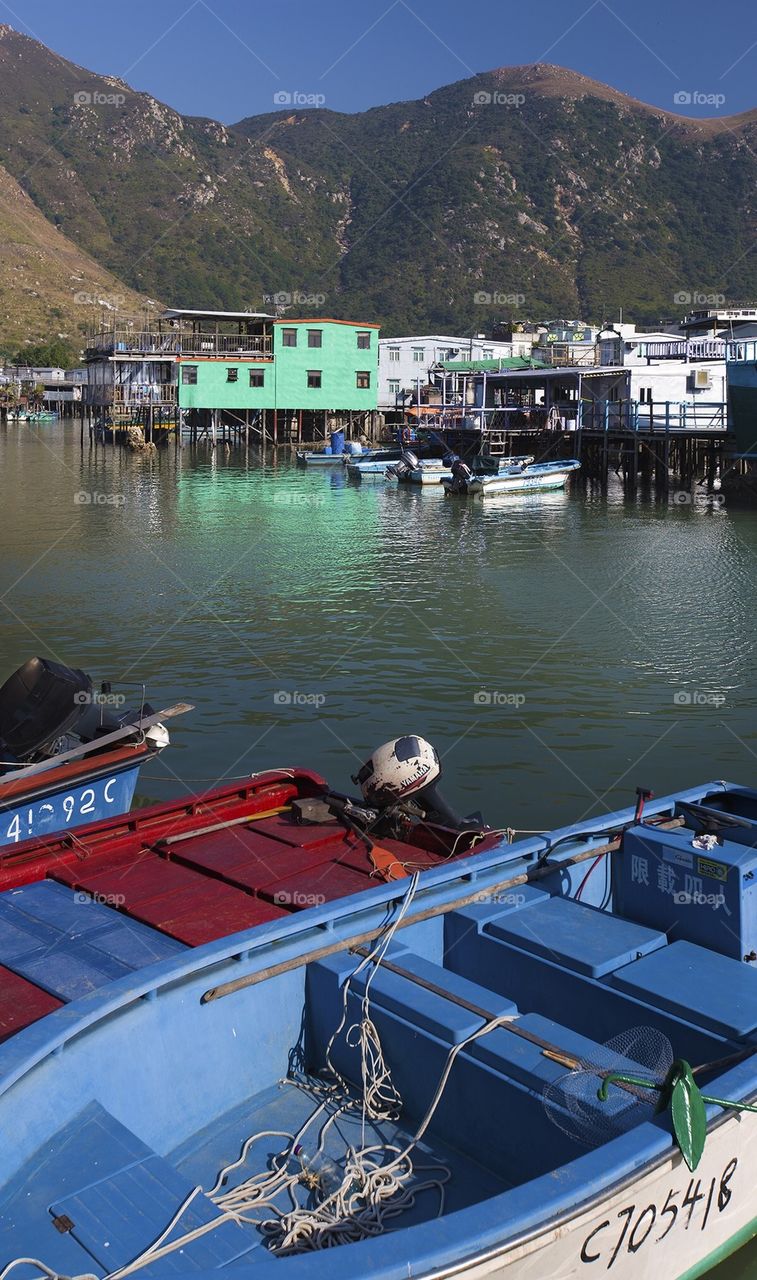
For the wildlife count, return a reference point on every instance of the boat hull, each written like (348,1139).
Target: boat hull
(425,475)
(65,798)
(650,1227)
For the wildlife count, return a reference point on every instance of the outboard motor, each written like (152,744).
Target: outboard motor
(461,474)
(398,470)
(405,771)
(47,708)
(410,459)
(39,703)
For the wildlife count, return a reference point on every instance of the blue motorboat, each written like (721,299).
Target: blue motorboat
(537,1061)
(69,754)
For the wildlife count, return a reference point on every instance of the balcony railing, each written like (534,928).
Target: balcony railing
(683,349)
(135,395)
(129,343)
(742,352)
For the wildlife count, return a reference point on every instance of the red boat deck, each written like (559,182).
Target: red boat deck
(109,898)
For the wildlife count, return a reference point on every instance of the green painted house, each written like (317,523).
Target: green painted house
(310,365)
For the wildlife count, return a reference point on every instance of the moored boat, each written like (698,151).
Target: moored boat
(540,476)
(452,1074)
(69,754)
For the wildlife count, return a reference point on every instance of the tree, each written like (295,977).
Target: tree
(57,354)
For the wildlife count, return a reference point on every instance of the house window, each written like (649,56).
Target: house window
(232,375)
(315,337)
(645,395)
(364,341)
(394,353)
(363,379)
(487,353)
(419,354)
(394,386)
(189,375)
(289,337)
(257,377)
(314,378)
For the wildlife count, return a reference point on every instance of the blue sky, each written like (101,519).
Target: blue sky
(228,58)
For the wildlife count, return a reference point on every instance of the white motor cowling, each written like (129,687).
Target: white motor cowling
(398,770)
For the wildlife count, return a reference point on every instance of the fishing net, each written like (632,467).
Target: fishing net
(571,1101)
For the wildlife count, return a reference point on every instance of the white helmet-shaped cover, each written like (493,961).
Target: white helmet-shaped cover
(397,770)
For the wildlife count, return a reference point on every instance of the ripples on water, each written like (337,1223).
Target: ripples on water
(223,581)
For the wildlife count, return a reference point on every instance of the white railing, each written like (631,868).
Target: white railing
(127,342)
(742,352)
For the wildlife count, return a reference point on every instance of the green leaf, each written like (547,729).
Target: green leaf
(688,1113)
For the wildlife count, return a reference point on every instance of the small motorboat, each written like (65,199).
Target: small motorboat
(479,1070)
(372,462)
(410,469)
(69,754)
(320,458)
(518,478)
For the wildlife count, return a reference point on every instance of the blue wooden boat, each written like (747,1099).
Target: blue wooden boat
(498,1068)
(69,754)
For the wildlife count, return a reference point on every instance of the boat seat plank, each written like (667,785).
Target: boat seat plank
(249,860)
(49,905)
(320,884)
(580,937)
(198,918)
(67,944)
(299,835)
(70,970)
(723,990)
(135,880)
(21,1002)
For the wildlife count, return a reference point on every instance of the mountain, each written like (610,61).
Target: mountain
(534,187)
(49,288)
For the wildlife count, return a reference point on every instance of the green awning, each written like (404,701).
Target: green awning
(504,365)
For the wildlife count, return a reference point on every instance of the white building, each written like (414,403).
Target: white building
(666,368)
(405,363)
